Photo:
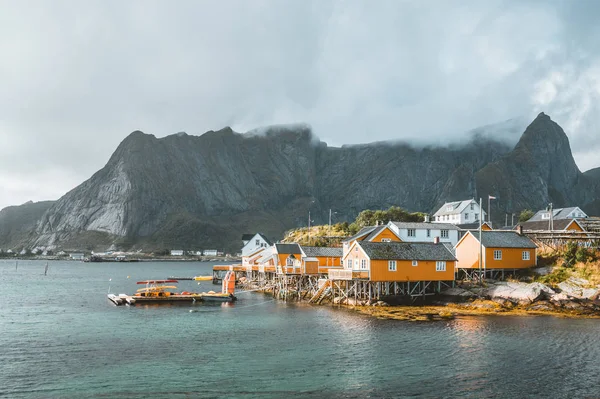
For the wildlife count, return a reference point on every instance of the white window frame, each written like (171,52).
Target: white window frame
(428,232)
(386,240)
(392,267)
(414,232)
(363,264)
(525,255)
(356,263)
(415,263)
(546,215)
(449,208)
(472,206)
(440,266)
(497,254)
(467,216)
(289,262)
(444,233)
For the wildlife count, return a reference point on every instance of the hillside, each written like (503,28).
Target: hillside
(17,222)
(204,191)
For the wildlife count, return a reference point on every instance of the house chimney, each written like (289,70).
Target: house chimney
(426,218)
(436,240)
(520,230)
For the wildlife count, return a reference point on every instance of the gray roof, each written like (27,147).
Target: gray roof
(424,225)
(406,251)
(559,224)
(287,248)
(457,207)
(362,232)
(322,251)
(470,226)
(558,213)
(504,239)
(248,237)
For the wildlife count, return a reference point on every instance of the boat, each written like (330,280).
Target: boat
(159,291)
(203,278)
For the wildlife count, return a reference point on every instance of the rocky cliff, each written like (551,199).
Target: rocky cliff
(204,191)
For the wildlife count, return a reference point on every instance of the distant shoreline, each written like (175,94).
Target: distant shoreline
(133,260)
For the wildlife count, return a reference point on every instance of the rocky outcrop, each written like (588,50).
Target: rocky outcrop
(518,293)
(17,223)
(203,191)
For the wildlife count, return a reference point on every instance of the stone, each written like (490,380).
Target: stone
(520,293)
(575,287)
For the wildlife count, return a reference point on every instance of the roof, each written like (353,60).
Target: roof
(559,224)
(558,213)
(504,239)
(248,237)
(457,207)
(424,225)
(362,232)
(287,248)
(406,251)
(471,226)
(375,232)
(322,251)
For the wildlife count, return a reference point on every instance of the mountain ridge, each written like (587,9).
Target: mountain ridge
(198,191)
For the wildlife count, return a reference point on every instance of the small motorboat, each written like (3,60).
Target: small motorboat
(117,300)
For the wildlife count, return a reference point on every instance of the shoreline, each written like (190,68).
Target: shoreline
(456,310)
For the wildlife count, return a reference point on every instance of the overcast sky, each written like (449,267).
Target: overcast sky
(76,77)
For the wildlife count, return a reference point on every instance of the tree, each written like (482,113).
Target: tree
(525,215)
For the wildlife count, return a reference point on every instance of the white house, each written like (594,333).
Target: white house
(210,252)
(258,240)
(425,232)
(558,214)
(76,256)
(177,252)
(458,212)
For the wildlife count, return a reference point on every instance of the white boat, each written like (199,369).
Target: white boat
(115,299)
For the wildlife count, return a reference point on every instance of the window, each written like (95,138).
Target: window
(472,206)
(356,263)
(392,265)
(476,217)
(289,261)
(546,215)
(356,248)
(257,242)
(497,254)
(428,233)
(466,216)
(363,264)
(444,233)
(440,266)
(415,263)
(411,232)
(449,208)
(525,255)
(386,240)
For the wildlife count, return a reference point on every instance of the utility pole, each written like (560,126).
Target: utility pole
(309,228)
(506,219)
(512,220)
(551,217)
(480,243)
(329,233)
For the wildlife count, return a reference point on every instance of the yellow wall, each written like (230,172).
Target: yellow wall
(283,258)
(573,227)
(405,271)
(467,253)
(329,260)
(511,258)
(386,233)
(485,227)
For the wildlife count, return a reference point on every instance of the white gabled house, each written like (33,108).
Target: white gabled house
(458,212)
(425,232)
(257,241)
(558,214)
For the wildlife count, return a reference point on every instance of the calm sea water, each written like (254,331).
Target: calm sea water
(61,338)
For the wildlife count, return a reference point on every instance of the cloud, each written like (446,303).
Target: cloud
(77,77)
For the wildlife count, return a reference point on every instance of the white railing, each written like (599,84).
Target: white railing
(340,274)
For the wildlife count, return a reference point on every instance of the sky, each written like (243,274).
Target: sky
(76,77)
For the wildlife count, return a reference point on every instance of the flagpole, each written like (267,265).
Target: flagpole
(489,213)
(480,243)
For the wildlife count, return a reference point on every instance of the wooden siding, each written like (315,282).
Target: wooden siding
(486,227)
(329,260)
(405,271)
(311,267)
(386,234)
(511,258)
(573,226)
(467,253)
(282,258)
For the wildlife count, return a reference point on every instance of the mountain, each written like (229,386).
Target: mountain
(193,192)
(17,222)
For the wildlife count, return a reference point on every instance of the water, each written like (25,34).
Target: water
(61,338)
